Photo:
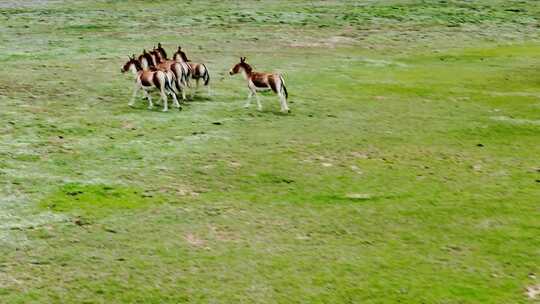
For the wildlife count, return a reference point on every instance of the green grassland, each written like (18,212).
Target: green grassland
(407,172)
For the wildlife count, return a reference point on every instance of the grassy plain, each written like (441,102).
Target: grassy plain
(408,170)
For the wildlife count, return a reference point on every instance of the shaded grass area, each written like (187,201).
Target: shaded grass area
(407,172)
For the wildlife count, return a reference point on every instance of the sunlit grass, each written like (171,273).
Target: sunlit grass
(407,171)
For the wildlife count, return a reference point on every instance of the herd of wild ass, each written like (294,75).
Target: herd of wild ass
(171,77)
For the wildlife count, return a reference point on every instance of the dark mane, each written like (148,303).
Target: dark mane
(137,64)
(246,67)
(162,51)
(148,58)
(184,57)
(157,55)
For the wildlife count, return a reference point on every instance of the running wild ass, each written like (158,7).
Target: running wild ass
(148,80)
(154,60)
(197,71)
(258,81)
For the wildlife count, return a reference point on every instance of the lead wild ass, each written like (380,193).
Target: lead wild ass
(148,80)
(258,81)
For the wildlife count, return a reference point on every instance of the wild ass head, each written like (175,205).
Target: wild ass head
(241,66)
(180,56)
(132,65)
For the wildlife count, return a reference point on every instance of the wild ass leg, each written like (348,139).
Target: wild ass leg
(248,103)
(175,100)
(165,101)
(282,96)
(161,81)
(259,105)
(185,81)
(150,104)
(191,89)
(283,102)
(172,89)
(179,88)
(182,87)
(135,90)
(148,97)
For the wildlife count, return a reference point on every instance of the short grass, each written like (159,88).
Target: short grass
(408,170)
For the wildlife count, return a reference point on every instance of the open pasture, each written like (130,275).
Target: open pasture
(407,171)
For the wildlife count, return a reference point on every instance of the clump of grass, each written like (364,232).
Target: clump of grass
(97,200)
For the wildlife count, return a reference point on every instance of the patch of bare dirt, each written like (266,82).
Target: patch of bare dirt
(181,190)
(223,234)
(194,241)
(533,291)
(128,126)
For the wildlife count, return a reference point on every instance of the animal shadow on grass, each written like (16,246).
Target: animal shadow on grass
(279,113)
(142,103)
(199,98)
(268,112)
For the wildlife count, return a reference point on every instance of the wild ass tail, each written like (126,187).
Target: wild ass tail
(168,85)
(178,76)
(206,75)
(186,74)
(283,87)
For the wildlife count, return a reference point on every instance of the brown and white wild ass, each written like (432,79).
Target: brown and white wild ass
(153,60)
(148,80)
(258,81)
(197,71)
(162,57)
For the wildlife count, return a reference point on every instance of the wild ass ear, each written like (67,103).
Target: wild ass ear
(241,59)
(159,44)
(179,48)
